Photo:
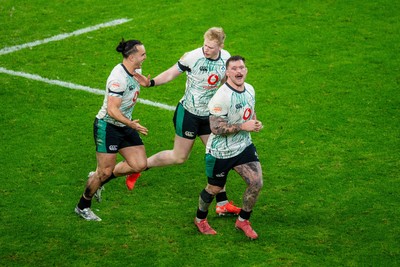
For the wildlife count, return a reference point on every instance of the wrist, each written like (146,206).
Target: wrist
(152,83)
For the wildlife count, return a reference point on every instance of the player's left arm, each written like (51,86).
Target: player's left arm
(220,126)
(255,116)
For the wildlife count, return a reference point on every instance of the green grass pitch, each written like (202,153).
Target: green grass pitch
(326,75)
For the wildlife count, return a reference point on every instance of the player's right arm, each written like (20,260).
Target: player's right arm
(113,109)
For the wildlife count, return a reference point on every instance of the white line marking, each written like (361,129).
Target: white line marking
(77,87)
(62,36)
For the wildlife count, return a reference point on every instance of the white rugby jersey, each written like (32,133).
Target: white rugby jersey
(121,84)
(236,107)
(203,79)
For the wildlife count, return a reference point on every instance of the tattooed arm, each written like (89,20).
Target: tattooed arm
(220,126)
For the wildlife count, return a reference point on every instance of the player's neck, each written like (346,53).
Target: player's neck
(129,66)
(239,88)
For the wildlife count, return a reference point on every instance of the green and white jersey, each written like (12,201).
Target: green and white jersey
(235,107)
(204,76)
(120,84)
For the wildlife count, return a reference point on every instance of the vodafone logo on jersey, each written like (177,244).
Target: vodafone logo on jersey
(247,114)
(213,79)
(135,97)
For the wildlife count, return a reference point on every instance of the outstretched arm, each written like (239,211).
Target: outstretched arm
(162,78)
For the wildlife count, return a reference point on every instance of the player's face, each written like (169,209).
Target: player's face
(236,72)
(138,57)
(211,49)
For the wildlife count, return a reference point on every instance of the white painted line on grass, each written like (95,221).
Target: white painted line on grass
(62,36)
(77,87)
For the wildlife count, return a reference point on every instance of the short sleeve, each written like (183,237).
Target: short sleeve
(218,105)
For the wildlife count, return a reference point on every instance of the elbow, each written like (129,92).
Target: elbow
(215,131)
(218,131)
(111,113)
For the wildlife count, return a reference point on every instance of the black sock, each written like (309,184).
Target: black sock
(245,214)
(112,176)
(201,214)
(221,196)
(84,203)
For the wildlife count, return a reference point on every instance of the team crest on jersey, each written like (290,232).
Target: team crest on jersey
(203,68)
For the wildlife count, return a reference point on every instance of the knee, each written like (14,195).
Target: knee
(180,159)
(103,174)
(136,166)
(179,156)
(257,184)
(142,166)
(213,189)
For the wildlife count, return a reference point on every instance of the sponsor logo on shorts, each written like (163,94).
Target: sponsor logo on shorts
(113,147)
(189,134)
(220,175)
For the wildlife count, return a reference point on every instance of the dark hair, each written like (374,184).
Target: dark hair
(235,58)
(128,47)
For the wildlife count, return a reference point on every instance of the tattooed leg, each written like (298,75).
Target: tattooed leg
(252,174)
(207,196)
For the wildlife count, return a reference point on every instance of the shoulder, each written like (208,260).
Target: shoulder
(225,54)
(223,92)
(118,71)
(249,88)
(117,77)
(192,55)
(219,103)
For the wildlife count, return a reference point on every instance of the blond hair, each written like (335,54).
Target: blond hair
(216,34)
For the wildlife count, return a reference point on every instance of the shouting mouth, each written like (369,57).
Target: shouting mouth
(239,77)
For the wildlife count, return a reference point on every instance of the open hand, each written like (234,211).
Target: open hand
(136,126)
(141,79)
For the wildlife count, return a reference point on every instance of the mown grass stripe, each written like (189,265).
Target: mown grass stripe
(62,36)
(77,87)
